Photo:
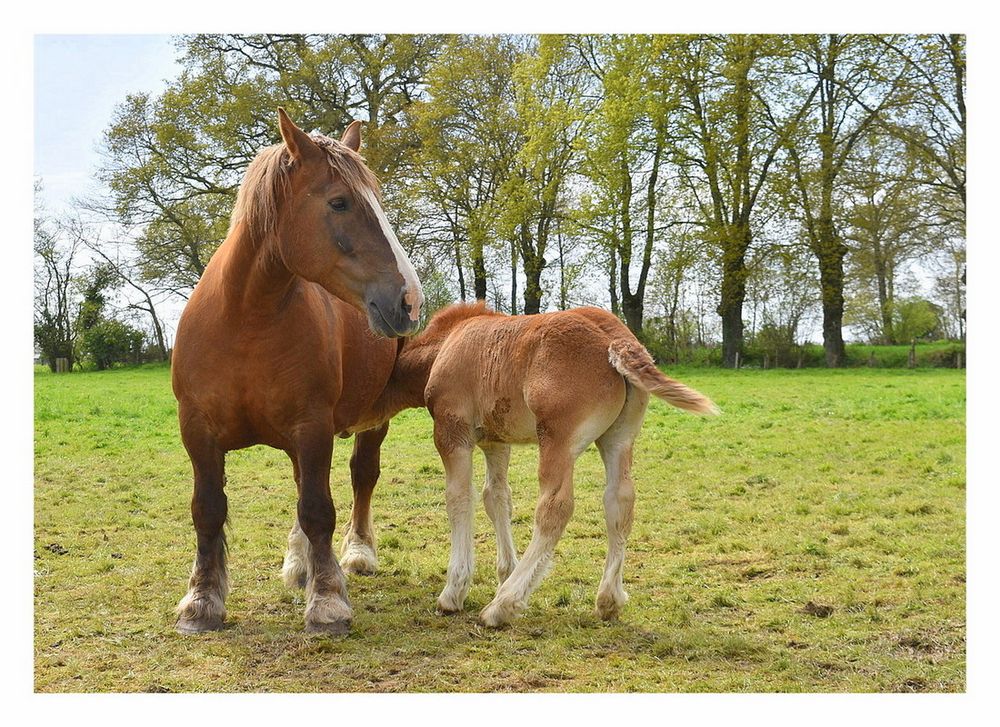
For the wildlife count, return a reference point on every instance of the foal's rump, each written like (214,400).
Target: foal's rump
(631,359)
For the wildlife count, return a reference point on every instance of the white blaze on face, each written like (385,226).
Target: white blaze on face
(413,293)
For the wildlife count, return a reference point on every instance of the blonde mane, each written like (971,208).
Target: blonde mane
(266,183)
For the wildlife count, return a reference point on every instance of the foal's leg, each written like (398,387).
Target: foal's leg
(358,553)
(615,446)
(327,606)
(555,505)
(454,444)
(497,500)
(203,608)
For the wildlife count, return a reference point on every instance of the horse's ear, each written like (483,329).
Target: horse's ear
(300,146)
(352,136)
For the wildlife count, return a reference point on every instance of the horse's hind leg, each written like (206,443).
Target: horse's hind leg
(358,553)
(204,608)
(295,569)
(327,606)
(615,446)
(555,505)
(497,500)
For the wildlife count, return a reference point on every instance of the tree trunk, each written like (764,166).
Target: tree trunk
(831,254)
(733,294)
(534,263)
(613,282)
(562,269)
(632,308)
(458,267)
(532,287)
(479,276)
(884,295)
(513,277)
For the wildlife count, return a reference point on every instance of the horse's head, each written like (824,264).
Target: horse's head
(333,230)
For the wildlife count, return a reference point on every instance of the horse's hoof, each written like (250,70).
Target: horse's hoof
(340,627)
(197,626)
(358,558)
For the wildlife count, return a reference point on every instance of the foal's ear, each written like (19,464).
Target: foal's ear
(352,136)
(300,146)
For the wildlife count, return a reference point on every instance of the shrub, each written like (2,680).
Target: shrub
(108,342)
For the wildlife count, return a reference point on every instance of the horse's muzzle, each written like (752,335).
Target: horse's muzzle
(389,315)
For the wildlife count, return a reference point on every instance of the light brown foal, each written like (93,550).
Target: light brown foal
(564,380)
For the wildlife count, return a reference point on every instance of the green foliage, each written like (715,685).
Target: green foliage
(843,489)
(916,319)
(51,339)
(726,153)
(108,341)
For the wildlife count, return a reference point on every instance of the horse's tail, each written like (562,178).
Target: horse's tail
(631,359)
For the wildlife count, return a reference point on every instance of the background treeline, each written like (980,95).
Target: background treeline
(726,195)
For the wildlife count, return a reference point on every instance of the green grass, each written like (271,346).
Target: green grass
(814,490)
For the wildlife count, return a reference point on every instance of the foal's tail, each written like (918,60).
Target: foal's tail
(631,359)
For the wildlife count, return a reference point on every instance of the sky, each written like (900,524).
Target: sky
(79,79)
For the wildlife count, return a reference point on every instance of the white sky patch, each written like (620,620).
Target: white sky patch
(414,293)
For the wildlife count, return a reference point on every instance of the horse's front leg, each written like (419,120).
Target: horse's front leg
(327,606)
(204,606)
(358,553)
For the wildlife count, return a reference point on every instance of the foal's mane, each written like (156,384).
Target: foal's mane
(442,322)
(266,183)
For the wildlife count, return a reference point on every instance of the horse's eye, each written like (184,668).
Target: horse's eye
(338,205)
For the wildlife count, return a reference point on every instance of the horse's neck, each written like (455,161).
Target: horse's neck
(253,274)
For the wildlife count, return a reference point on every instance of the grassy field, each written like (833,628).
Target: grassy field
(810,539)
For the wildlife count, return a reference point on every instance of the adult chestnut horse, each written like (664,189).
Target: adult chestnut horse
(272,349)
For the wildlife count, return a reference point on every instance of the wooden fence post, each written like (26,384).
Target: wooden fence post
(62,365)
(912,359)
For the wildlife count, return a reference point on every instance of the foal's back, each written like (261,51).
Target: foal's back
(516,378)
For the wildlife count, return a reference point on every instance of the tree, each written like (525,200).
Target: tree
(887,221)
(173,163)
(931,119)
(549,81)
(626,147)
(109,341)
(734,119)
(839,70)
(468,139)
(55,260)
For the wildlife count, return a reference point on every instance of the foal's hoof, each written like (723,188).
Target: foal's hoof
(495,616)
(609,605)
(340,627)
(449,603)
(197,626)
